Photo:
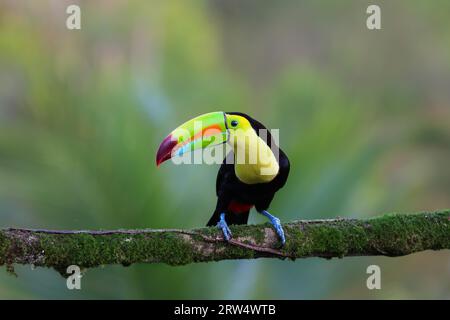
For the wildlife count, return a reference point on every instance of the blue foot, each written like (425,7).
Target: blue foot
(222,224)
(276,224)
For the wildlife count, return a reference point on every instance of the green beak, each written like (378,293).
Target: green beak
(207,130)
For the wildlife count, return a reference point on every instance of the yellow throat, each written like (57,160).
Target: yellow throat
(254,161)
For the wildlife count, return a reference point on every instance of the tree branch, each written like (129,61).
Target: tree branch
(388,235)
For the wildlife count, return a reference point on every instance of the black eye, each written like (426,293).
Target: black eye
(234,123)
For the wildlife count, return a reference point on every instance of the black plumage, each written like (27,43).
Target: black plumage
(234,197)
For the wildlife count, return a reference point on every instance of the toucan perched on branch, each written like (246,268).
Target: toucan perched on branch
(251,174)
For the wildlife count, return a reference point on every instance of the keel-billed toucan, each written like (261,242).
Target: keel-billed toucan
(250,175)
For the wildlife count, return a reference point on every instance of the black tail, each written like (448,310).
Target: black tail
(230,218)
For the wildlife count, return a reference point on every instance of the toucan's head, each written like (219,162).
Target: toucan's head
(207,130)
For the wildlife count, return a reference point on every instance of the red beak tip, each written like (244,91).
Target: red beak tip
(165,150)
(159,162)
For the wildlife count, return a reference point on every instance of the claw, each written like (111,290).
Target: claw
(222,224)
(277,225)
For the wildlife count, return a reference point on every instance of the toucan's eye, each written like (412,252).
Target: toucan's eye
(234,123)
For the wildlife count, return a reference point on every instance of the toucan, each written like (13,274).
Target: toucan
(252,171)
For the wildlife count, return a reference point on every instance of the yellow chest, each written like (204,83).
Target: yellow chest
(254,161)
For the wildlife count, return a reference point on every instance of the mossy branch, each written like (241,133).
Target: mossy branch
(388,235)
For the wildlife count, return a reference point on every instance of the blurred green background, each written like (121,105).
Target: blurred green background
(363,115)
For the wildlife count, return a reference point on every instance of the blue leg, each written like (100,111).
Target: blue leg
(222,224)
(276,224)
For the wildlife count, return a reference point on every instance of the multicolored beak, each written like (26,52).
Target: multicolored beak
(207,130)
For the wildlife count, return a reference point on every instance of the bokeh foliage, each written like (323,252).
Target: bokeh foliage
(363,116)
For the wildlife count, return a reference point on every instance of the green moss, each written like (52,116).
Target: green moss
(4,245)
(398,234)
(235,252)
(208,231)
(390,235)
(317,239)
(92,250)
(256,232)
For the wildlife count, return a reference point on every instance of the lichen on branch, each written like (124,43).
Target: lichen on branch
(388,235)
